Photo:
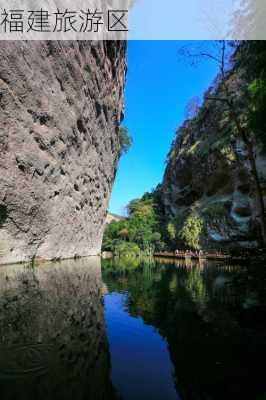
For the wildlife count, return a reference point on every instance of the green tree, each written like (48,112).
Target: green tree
(191,231)
(125,140)
(123,233)
(122,248)
(142,227)
(171,229)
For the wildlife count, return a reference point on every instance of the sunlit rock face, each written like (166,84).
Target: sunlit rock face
(61,104)
(52,332)
(208,173)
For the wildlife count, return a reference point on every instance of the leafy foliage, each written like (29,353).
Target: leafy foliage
(252,58)
(192,230)
(256,119)
(125,140)
(215,211)
(228,152)
(126,248)
(140,232)
(171,229)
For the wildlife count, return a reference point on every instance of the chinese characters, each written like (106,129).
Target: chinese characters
(62,21)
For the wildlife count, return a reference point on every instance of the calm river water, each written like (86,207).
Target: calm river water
(132,331)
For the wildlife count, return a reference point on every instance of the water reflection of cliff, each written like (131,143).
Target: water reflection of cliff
(213,319)
(53,343)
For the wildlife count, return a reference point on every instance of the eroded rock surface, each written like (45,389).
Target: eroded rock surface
(61,104)
(208,174)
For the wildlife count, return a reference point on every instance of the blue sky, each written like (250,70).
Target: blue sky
(182,20)
(159,86)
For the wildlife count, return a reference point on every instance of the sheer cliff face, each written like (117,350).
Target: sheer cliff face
(61,103)
(208,174)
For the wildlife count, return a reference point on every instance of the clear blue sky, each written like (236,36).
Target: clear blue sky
(159,86)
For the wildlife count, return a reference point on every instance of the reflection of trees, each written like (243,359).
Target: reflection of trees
(200,310)
(195,285)
(52,332)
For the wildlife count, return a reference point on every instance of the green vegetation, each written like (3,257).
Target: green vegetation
(242,107)
(125,140)
(140,233)
(146,230)
(228,152)
(192,150)
(256,117)
(252,58)
(215,211)
(191,231)
(126,248)
(171,230)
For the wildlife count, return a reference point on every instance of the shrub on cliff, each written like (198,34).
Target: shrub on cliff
(256,117)
(191,231)
(125,140)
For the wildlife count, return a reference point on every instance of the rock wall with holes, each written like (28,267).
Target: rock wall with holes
(61,104)
(208,175)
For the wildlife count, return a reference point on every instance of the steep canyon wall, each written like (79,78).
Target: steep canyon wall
(61,104)
(208,174)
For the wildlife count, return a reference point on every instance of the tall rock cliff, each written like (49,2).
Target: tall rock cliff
(208,175)
(61,104)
